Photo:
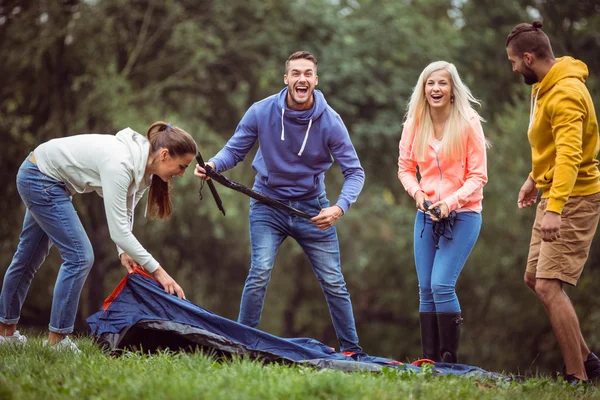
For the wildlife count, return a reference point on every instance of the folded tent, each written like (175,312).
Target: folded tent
(139,314)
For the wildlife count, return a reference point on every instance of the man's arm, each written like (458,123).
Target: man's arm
(354,177)
(240,143)
(567,111)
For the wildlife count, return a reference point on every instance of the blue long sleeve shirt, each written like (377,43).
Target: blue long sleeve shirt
(295,149)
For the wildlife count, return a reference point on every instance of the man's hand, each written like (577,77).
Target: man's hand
(550,226)
(201,172)
(420,198)
(327,217)
(527,194)
(444,210)
(128,262)
(168,283)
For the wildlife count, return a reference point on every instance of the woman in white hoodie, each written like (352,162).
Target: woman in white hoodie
(119,168)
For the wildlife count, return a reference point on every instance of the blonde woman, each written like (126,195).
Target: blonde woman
(118,167)
(443,138)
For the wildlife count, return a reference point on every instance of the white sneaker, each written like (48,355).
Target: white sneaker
(64,345)
(15,340)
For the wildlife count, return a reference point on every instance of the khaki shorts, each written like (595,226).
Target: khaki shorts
(564,258)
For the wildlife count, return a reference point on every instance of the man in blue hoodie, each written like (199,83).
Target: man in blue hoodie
(298,133)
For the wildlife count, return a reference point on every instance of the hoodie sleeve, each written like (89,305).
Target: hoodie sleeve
(567,111)
(344,153)
(116,180)
(476,168)
(130,215)
(240,143)
(407,166)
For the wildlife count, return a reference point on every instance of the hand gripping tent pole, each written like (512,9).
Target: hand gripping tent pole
(215,176)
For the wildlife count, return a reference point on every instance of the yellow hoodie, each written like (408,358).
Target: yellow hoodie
(563,133)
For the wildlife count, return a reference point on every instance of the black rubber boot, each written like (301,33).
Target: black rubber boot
(449,328)
(430,339)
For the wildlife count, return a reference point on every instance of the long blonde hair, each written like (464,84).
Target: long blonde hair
(418,116)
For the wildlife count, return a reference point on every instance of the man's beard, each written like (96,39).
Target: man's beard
(529,76)
(296,99)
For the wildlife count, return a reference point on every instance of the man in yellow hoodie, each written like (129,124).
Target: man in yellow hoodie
(563,133)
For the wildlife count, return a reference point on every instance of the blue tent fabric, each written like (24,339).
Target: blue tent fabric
(140,314)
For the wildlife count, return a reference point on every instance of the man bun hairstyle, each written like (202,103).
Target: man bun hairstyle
(529,38)
(301,55)
(178,142)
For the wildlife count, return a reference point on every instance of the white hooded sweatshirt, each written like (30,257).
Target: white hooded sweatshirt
(111,165)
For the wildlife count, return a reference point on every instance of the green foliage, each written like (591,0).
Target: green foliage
(100,66)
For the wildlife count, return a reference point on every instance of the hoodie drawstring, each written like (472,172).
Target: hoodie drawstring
(282,130)
(305,137)
(533,107)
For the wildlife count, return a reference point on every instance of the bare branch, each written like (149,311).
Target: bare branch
(140,41)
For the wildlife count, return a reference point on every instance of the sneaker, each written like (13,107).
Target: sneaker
(592,366)
(574,381)
(64,345)
(15,340)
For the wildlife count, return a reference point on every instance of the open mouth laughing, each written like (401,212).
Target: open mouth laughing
(301,90)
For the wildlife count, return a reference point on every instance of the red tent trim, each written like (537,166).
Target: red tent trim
(120,286)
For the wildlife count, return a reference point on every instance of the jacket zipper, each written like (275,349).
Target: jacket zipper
(441,177)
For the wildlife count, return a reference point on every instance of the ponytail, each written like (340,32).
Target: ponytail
(164,136)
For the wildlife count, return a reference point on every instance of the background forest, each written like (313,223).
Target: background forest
(95,66)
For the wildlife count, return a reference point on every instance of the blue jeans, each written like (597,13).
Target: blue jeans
(50,219)
(269,227)
(438,269)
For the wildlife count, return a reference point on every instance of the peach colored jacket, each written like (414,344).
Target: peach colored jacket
(457,182)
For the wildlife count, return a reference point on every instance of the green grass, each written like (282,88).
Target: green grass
(36,372)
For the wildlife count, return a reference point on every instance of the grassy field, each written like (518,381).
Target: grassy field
(36,372)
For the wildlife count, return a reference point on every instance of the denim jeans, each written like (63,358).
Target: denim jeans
(49,219)
(438,269)
(269,227)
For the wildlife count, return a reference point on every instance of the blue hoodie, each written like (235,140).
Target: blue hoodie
(295,149)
